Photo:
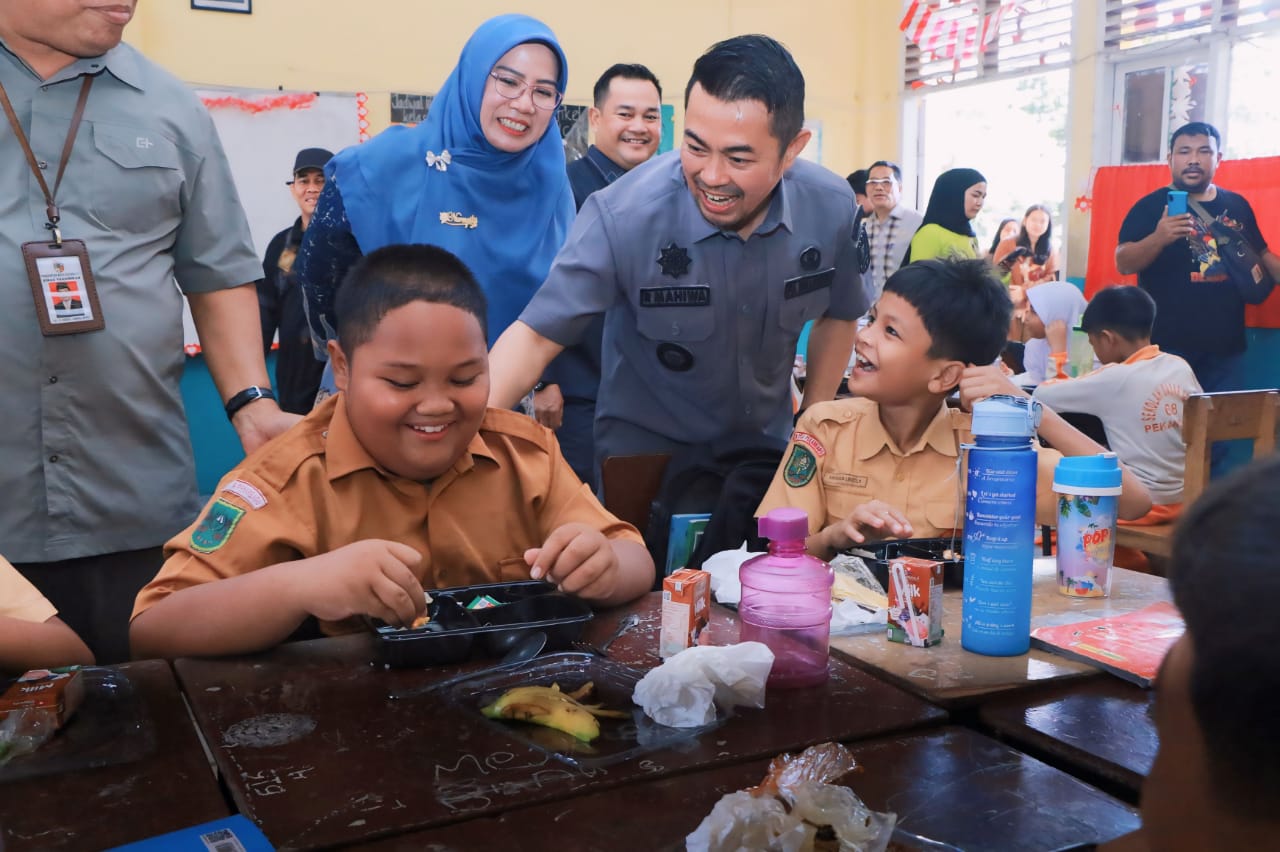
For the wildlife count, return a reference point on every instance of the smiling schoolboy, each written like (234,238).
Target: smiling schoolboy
(402,481)
(885,464)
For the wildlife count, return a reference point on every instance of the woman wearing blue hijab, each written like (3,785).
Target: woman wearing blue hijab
(483,176)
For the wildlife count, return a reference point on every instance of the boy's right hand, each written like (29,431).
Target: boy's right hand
(873,520)
(371,577)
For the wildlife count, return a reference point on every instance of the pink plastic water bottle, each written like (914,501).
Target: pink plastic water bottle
(786,601)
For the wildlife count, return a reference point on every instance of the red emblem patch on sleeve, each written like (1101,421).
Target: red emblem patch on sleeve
(809,441)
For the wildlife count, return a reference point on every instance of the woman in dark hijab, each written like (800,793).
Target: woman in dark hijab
(947,229)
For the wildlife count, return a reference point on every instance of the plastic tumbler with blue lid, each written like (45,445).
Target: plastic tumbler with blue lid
(1087,489)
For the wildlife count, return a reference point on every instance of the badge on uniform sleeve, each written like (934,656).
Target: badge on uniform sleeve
(674,260)
(215,527)
(801,466)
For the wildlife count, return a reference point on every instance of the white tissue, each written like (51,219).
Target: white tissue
(723,568)
(683,692)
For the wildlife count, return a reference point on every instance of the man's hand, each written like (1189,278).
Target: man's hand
(978,383)
(1170,229)
(548,406)
(260,421)
(578,559)
(371,577)
(873,520)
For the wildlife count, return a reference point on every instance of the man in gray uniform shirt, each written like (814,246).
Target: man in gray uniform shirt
(96,468)
(706,262)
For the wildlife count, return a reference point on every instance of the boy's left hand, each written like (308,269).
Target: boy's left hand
(577,558)
(978,383)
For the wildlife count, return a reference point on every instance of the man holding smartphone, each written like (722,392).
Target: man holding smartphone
(1199,313)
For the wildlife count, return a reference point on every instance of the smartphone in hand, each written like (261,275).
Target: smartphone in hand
(1007,262)
(1177,202)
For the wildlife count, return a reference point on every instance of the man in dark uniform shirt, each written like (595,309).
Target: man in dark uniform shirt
(627,123)
(280,296)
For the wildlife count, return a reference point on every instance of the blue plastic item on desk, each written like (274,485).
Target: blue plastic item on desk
(999,527)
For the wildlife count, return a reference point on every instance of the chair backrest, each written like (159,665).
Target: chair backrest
(1228,416)
(630,483)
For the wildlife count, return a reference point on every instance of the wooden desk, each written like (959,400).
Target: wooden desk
(952,677)
(950,785)
(314,751)
(156,778)
(1101,729)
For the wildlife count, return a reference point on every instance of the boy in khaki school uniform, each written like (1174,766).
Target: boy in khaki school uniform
(31,634)
(886,464)
(402,481)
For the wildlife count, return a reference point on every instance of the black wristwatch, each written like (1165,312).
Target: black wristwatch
(246,396)
(539,387)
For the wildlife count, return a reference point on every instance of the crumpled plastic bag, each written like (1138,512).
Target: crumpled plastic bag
(786,810)
(684,691)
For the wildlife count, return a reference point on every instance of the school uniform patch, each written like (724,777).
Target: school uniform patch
(247,492)
(215,527)
(800,468)
(810,442)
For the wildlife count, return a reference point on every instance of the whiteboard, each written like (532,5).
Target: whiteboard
(261,132)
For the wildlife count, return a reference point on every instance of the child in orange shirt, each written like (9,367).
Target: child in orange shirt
(31,634)
(401,481)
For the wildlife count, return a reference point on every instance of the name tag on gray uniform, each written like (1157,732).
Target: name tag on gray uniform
(794,288)
(675,297)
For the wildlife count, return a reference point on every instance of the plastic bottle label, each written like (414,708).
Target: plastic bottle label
(1000,503)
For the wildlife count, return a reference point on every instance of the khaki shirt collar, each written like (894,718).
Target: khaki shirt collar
(940,435)
(345,454)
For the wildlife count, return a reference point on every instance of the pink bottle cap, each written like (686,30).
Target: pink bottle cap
(785,524)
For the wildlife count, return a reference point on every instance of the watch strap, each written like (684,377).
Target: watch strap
(246,396)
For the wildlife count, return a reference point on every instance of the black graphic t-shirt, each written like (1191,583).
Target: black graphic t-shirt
(1197,308)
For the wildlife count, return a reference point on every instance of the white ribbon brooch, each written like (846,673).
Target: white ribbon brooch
(440,162)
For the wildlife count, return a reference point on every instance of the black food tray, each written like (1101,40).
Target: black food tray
(884,552)
(456,633)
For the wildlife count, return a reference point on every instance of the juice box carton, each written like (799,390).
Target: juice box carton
(47,696)
(686,610)
(915,601)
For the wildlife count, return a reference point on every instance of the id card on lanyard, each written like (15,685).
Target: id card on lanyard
(62,284)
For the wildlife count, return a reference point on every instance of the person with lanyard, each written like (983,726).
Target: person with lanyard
(705,263)
(947,227)
(483,177)
(118,187)
(280,297)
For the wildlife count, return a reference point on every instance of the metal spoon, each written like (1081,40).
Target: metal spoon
(520,653)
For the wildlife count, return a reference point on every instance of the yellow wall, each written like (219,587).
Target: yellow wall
(849,50)
(1087,69)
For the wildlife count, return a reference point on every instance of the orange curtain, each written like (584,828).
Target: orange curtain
(1116,188)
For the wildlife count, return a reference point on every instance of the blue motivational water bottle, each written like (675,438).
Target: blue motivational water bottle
(999,527)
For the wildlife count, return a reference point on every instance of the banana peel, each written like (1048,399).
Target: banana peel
(550,707)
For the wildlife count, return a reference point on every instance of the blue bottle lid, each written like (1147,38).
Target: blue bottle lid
(1088,476)
(1005,416)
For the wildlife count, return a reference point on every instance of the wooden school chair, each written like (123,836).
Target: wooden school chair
(629,484)
(1209,417)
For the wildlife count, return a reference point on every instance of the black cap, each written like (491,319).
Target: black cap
(311,158)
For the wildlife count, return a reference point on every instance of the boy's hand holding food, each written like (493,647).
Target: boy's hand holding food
(371,577)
